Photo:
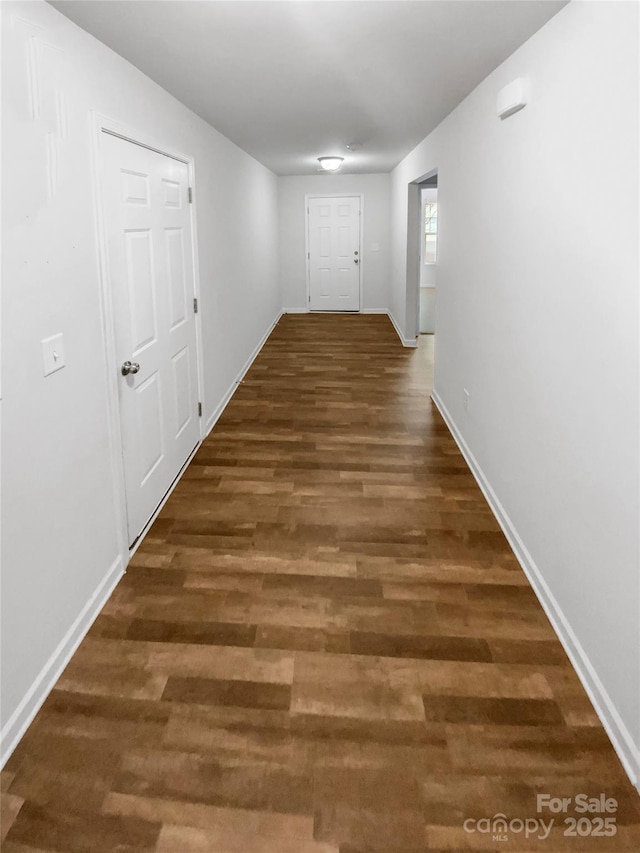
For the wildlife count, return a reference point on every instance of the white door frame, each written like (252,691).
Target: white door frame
(307,199)
(101,125)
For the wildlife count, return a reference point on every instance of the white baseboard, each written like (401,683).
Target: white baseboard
(22,717)
(361,311)
(628,752)
(406,342)
(213,418)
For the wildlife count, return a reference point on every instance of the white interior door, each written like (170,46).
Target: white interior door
(150,265)
(334,254)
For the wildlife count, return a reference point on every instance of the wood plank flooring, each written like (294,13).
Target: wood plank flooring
(324,644)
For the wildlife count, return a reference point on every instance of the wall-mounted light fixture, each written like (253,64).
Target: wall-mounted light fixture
(331,164)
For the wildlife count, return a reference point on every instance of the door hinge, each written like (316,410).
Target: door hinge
(195,305)
(309,255)
(190,195)
(200,410)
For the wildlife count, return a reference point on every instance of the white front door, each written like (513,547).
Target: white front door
(150,267)
(334,254)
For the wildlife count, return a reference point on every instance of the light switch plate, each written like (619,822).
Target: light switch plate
(53,353)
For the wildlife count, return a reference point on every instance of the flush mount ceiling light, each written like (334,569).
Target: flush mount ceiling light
(331,164)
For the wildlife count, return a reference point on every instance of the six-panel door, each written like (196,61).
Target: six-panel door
(334,254)
(150,268)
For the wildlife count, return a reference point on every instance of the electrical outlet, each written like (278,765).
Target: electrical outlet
(465,399)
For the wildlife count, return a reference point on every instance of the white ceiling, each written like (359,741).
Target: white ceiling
(292,81)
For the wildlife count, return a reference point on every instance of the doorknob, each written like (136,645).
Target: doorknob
(356,261)
(129,367)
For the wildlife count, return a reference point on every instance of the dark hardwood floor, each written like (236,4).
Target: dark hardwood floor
(323,645)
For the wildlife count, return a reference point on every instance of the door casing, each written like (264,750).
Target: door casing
(100,125)
(307,198)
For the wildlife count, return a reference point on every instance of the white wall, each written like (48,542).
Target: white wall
(538,319)
(60,527)
(376,229)
(427,310)
(428,275)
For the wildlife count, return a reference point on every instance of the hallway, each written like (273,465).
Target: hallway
(323,645)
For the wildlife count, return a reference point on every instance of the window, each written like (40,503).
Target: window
(430,232)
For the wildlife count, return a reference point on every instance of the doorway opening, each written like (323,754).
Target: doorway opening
(422,252)
(422,259)
(428,256)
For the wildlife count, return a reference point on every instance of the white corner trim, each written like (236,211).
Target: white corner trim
(620,736)
(406,342)
(219,409)
(20,720)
